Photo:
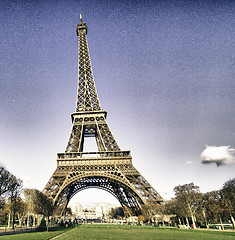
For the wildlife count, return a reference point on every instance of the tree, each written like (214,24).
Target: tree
(212,205)
(174,207)
(7,182)
(160,213)
(15,191)
(10,189)
(117,212)
(220,205)
(188,199)
(18,208)
(146,212)
(228,196)
(37,203)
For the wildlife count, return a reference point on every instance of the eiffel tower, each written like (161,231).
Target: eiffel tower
(110,168)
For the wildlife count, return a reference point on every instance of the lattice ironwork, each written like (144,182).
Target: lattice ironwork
(110,168)
(87,95)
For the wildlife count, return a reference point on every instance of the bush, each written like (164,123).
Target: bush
(43,225)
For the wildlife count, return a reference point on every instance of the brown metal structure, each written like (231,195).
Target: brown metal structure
(110,168)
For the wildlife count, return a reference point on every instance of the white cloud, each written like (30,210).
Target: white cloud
(189,162)
(26,181)
(222,155)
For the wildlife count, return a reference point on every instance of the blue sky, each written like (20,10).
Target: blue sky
(164,72)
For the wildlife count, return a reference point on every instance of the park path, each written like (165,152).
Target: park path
(61,234)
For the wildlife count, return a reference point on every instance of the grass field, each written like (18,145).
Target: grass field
(34,235)
(103,232)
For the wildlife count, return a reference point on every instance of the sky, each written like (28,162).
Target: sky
(164,72)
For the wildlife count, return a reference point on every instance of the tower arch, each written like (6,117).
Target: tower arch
(129,199)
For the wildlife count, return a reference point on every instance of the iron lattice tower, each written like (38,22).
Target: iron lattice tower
(110,168)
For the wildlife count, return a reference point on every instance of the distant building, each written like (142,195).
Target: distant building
(100,211)
(103,210)
(77,209)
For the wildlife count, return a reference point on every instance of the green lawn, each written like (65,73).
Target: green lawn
(34,235)
(103,232)
(134,233)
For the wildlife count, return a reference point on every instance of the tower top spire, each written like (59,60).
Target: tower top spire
(87,95)
(81,27)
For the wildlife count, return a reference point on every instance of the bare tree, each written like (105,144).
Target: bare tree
(188,199)
(7,180)
(15,191)
(10,189)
